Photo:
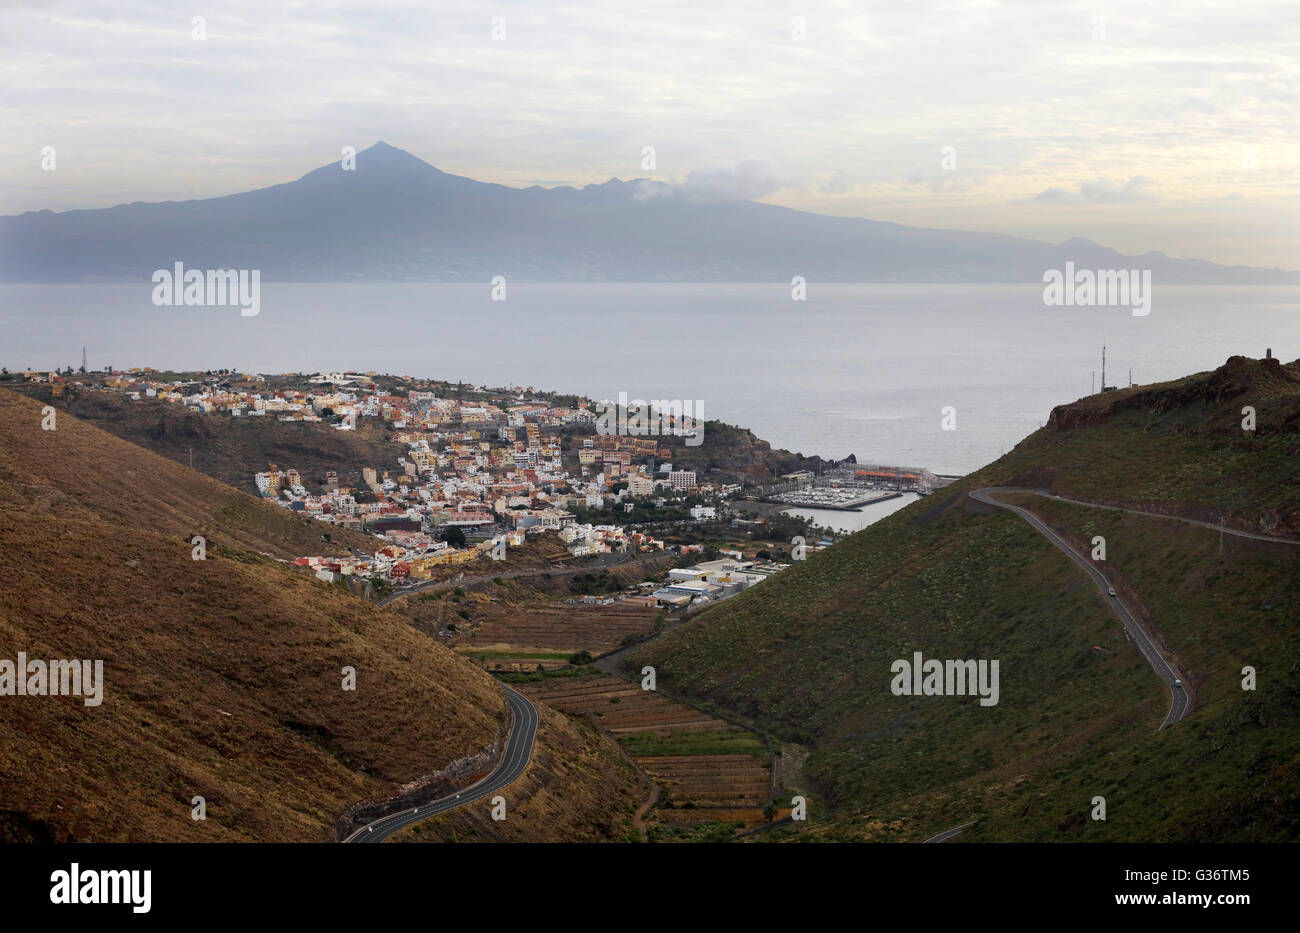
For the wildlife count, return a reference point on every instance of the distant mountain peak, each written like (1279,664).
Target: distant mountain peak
(392,156)
(409,220)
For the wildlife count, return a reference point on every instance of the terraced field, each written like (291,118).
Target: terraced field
(556,627)
(707,769)
(711,780)
(506,658)
(622,706)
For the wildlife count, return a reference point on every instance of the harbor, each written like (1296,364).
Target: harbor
(850,487)
(841,500)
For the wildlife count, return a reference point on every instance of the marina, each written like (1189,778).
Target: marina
(828,497)
(850,487)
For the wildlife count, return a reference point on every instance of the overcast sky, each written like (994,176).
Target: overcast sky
(1142,125)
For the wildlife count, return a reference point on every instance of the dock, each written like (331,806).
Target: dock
(813,503)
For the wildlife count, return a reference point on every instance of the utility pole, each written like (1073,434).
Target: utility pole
(1103,367)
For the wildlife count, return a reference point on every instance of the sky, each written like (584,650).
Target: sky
(1170,126)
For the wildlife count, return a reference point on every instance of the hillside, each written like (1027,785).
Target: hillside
(233,449)
(578,788)
(730,454)
(1179,447)
(807,655)
(222,677)
(80,472)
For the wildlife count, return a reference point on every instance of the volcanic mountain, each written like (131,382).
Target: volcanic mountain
(392,216)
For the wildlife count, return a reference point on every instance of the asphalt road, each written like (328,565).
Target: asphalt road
(1173,518)
(621,561)
(519,751)
(949,833)
(1179,704)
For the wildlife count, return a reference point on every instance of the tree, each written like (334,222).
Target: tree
(454,536)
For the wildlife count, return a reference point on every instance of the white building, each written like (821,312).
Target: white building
(682,479)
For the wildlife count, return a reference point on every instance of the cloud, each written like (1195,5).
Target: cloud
(648,190)
(747,181)
(839,183)
(577,90)
(1099,191)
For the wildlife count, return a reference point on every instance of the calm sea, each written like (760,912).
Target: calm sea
(863,369)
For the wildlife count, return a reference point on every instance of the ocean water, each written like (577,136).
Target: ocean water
(862,369)
(848,521)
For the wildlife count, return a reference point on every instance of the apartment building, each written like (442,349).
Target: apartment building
(682,479)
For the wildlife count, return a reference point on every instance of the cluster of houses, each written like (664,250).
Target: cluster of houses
(484,468)
(409,557)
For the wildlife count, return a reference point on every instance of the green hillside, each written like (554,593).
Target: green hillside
(807,654)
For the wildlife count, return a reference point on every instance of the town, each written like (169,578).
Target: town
(480,476)
(484,470)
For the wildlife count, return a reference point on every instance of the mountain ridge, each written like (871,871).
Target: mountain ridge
(397,217)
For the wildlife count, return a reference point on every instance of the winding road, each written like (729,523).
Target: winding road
(1236,533)
(1179,704)
(523,733)
(519,751)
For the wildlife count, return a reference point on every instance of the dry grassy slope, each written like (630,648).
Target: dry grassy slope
(186,642)
(232,449)
(78,471)
(222,677)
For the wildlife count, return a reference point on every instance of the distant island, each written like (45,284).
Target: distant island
(390,216)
